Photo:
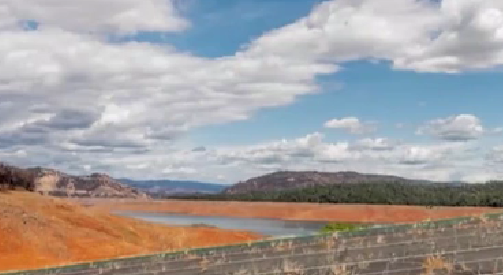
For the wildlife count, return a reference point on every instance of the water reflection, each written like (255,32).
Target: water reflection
(269,227)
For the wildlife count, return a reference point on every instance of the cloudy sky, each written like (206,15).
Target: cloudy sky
(224,90)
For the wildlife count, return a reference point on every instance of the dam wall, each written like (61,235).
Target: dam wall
(467,245)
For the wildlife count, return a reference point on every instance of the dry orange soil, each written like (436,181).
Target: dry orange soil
(296,211)
(36,231)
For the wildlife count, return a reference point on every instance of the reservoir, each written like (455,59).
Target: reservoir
(270,227)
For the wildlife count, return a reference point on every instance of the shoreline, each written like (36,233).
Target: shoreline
(290,211)
(85,234)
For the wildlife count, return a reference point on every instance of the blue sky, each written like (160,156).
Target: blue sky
(362,89)
(372,92)
(131,88)
(241,21)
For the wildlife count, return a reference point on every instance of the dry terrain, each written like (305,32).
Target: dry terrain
(36,231)
(294,211)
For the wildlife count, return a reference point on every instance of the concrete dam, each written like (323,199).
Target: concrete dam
(467,245)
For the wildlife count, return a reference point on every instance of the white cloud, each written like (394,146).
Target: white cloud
(400,125)
(497,130)
(438,161)
(496,154)
(346,30)
(424,154)
(461,127)
(134,92)
(95,16)
(351,124)
(471,36)
(376,144)
(446,36)
(441,161)
(73,100)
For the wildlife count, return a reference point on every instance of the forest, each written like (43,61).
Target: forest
(387,193)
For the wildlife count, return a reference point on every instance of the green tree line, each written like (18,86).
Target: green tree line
(389,193)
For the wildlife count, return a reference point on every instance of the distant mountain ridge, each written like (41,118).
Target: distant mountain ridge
(171,187)
(285,180)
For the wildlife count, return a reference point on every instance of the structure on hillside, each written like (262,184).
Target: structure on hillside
(462,246)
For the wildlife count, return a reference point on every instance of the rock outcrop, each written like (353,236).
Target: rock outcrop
(53,182)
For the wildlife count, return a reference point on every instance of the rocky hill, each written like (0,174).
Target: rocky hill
(94,185)
(289,180)
(53,182)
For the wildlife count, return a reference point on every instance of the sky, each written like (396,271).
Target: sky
(222,91)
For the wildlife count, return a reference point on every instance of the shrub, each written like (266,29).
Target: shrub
(341,226)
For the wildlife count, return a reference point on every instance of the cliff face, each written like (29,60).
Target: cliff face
(290,180)
(95,185)
(54,182)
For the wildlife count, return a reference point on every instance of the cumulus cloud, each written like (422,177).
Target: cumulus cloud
(140,91)
(314,148)
(438,161)
(461,127)
(430,36)
(496,131)
(376,144)
(496,154)
(72,99)
(441,161)
(94,16)
(352,124)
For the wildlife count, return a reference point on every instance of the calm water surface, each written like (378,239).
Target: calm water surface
(269,227)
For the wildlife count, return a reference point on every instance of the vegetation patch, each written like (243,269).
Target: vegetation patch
(342,227)
(202,225)
(383,193)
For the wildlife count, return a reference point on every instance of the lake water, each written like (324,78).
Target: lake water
(269,227)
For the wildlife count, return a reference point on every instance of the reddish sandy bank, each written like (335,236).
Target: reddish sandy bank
(36,231)
(295,211)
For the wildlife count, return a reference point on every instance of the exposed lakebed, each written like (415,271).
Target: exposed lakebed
(270,227)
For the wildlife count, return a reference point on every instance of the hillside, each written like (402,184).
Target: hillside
(50,181)
(41,230)
(94,185)
(170,187)
(285,180)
